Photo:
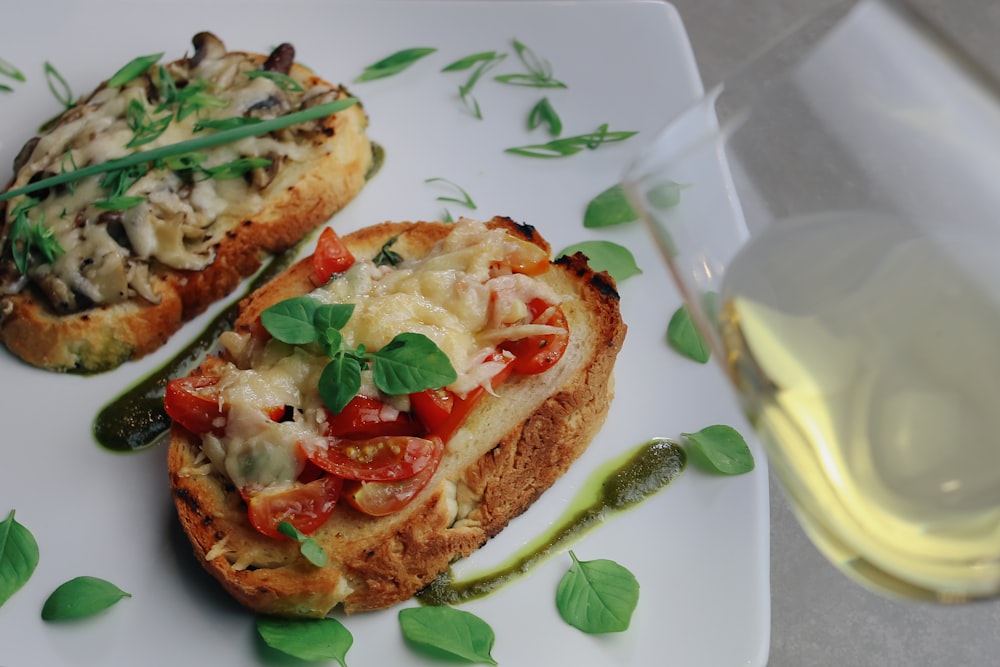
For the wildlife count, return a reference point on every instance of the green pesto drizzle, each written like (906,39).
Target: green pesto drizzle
(618,485)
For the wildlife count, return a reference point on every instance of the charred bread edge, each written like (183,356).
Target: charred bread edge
(394,557)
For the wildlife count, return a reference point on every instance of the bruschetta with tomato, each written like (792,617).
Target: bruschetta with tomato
(394,400)
(104,269)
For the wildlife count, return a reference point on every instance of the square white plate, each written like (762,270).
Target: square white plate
(699,548)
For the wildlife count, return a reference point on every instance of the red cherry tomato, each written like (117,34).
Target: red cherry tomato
(537,354)
(193,403)
(442,412)
(305,506)
(331,256)
(383,459)
(365,417)
(382,498)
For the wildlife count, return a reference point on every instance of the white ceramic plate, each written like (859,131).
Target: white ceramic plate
(699,548)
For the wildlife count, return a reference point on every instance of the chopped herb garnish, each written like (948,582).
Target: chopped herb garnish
(188,146)
(224,123)
(236,168)
(394,64)
(544,114)
(539,73)
(144,127)
(58,85)
(187,100)
(571,145)
(133,69)
(482,62)
(8,70)
(280,79)
(29,238)
(463,197)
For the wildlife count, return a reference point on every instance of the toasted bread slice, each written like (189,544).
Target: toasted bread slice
(128,278)
(513,447)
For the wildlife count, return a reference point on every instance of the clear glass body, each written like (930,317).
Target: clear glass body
(836,239)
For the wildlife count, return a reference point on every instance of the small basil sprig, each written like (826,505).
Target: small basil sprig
(58,85)
(18,556)
(608,256)
(409,363)
(539,73)
(133,69)
(449,632)
(597,596)
(310,639)
(482,62)
(543,113)
(567,146)
(386,256)
(81,597)
(722,448)
(684,337)
(308,547)
(394,64)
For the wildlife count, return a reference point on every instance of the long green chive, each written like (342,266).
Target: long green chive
(187,146)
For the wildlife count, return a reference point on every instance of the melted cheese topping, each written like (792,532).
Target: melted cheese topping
(452,296)
(106,253)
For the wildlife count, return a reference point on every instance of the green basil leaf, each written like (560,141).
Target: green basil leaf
(411,362)
(312,639)
(611,207)
(665,195)
(386,256)
(80,597)
(132,69)
(280,79)
(597,596)
(18,556)
(332,315)
(291,320)
(606,256)
(724,449)
(394,64)
(339,382)
(543,113)
(448,632)
(684,337)
(308,547)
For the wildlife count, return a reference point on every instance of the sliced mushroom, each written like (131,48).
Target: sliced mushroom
(280,60)
(206,45)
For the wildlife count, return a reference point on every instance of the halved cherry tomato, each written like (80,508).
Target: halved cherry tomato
(382,498)
(383,459)
(305,506)
(367,417)
(528,259)
(192,403)
(331,256)
(442,412)
(536,354)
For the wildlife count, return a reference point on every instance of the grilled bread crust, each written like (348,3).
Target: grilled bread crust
(301,197)
(512,448)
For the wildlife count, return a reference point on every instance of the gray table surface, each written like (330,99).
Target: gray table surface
(819,617)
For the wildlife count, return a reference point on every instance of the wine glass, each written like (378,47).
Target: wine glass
(831,214)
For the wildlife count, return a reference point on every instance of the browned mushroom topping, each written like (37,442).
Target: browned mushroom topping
(280,59)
